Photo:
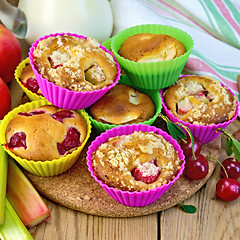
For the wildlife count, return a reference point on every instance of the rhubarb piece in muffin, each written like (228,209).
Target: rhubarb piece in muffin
(123,105)
(74,63)
(200,100)
(148,47)
(45,133)
(135,162)
(29,81)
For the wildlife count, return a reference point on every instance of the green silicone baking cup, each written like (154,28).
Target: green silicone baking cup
(154,94)
(107,44)
(153,75)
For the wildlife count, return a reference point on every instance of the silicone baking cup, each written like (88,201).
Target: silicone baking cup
(46,168)
(153,75)
(155,96)
(133,199)
(63,97)
(205,133)
(31,95)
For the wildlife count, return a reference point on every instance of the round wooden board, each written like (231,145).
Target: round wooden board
(76,189)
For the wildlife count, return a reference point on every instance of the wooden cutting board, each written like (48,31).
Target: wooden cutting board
(76,189)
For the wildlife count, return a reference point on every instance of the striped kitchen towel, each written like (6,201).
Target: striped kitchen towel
(215,28)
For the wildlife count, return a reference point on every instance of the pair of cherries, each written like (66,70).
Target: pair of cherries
(228,187)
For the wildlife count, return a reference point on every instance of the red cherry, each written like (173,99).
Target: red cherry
(147,172)
(232,168)
(186,146)
(228,189)
(71,140)
(60,115)
(196,169)
(18,140)
(32,85)
(28,114)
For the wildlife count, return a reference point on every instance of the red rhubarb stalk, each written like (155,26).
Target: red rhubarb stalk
(24,198)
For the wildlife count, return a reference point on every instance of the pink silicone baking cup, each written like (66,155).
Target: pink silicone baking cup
(133,199)
(65,98)
(205,133)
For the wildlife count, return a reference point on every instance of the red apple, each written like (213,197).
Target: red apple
(10,54)
(5,99)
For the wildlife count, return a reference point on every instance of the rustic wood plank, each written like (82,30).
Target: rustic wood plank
(69,224)
(214,219)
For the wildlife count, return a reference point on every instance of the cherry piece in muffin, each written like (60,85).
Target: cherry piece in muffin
(147,172)
(29,81)
(45,133)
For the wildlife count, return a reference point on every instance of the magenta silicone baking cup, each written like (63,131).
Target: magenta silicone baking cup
(63,97)
(205,133)
(141,198)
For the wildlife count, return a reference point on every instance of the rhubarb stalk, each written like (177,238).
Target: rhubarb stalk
(3,182)
(13,227)
(24,198)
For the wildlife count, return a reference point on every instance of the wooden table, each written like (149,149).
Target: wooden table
(214,219)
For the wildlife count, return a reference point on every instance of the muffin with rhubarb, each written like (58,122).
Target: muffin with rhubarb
(73,71)
(26,79)
(201,103)
(125,104)
(135,164)
(152,55)
(44,139)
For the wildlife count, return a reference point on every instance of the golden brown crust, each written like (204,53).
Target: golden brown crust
(200,100)
(147,47)
(43,133)
(114,160)
(123,104)
(74,63)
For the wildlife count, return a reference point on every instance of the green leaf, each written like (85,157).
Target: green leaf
(236,148)
(188,208)
(175,131)
(229,146)
(171,130)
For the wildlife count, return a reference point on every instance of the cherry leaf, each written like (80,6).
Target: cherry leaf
(236,148)
(229,146)
(175,131)
(188,208)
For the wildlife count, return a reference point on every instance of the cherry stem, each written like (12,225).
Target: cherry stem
(224,132)
(191,137)
(220,164)
(163,117)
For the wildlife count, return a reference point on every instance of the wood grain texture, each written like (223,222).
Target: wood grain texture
(214,219)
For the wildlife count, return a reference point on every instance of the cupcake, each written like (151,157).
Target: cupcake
(26,79)
(201,103)
(135,164)
(73,71)
(44,139)
(152,55)
(125,104)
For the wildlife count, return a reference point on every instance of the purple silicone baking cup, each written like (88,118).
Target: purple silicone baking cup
(134,199)
(65,98)
(205,133)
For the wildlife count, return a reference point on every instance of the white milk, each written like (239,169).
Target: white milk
(91,18)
